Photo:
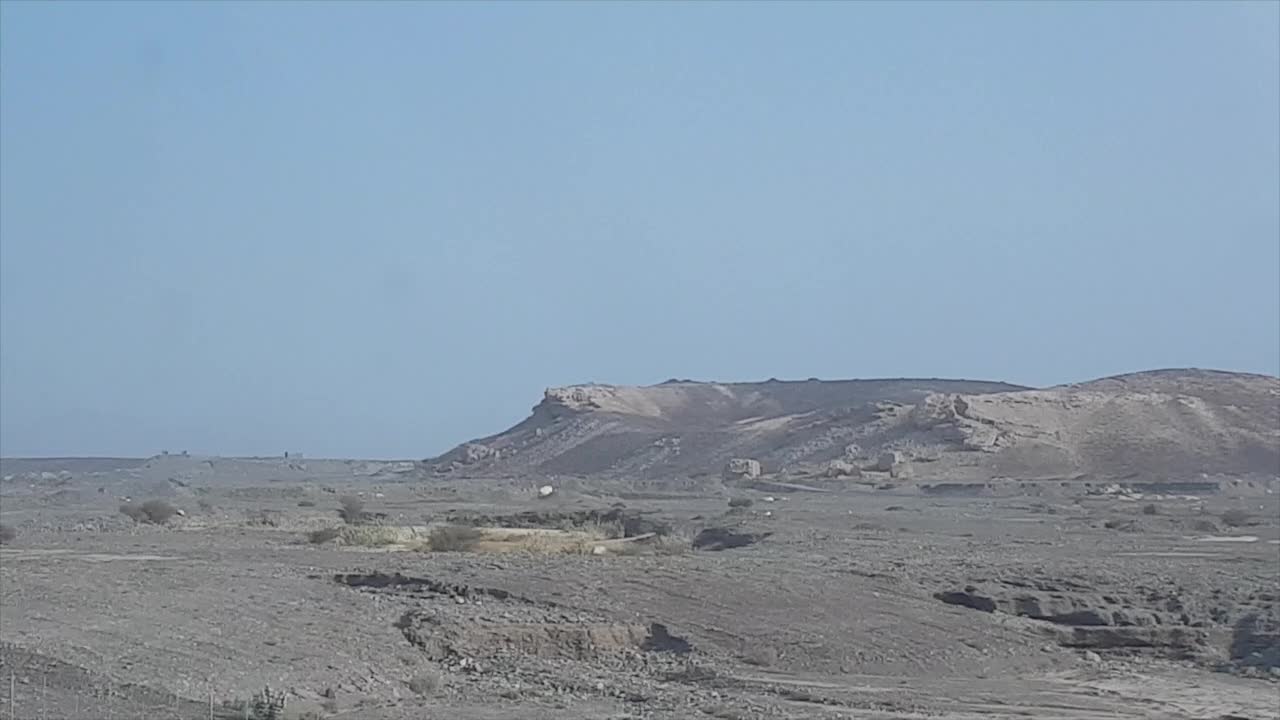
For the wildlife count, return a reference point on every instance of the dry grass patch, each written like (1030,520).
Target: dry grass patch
(454,538)
(379,535)
(536,541)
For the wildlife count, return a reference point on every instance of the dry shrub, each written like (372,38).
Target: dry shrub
(1236,518)
(454,538)
(155,512)
(740,502)
(1204,526)
(760,656)
(607,530)
(668,545)
(1150,509)
(352,510)
(323,535)
(7,534)
(306,503)
(425,683)
(263,518)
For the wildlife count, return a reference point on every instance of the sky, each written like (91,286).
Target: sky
(381,229)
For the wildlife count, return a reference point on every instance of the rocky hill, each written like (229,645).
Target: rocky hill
(1165,424)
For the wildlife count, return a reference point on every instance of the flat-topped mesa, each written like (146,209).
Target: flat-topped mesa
(1169,425)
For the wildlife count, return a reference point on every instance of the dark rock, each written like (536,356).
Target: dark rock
(968,598)
(719,538)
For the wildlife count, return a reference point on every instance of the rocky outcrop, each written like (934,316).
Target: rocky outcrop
(1165,620)
(841,469)
(469,454)
(578,398)
(1255,641)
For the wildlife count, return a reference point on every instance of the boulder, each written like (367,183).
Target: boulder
(886,461)
(742,469)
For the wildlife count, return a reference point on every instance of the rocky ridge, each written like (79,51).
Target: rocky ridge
(1167,424)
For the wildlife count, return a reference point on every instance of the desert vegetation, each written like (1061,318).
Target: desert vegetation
(351,509)
(323,535)
(1237,518)
(454,538)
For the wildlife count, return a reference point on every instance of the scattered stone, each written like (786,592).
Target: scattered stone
(842,468)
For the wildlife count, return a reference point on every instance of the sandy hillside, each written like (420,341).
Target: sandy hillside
(1165,424)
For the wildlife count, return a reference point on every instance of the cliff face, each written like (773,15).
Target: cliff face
(1175,423)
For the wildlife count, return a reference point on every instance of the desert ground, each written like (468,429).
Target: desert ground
(884,560)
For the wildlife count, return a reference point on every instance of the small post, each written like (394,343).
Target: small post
(13,714)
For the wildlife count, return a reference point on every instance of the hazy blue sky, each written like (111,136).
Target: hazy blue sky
(381,229)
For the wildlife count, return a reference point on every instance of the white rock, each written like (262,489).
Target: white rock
(546,491)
